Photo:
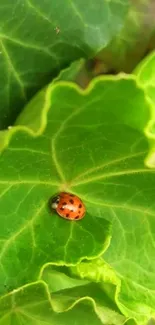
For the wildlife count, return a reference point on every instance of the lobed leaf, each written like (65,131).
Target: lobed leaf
(38,38)
(33,305)
(91,143)
(70,286)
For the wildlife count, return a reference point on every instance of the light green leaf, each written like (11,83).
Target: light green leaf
(31,234)
(38,38)
(32,305)
(91,143)
(67,291)
(145,73)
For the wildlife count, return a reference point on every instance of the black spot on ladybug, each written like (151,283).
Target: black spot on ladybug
(67,215)
(77,217)
(61,208)
(72,210)
(80,206)
(64,203)
(71,201)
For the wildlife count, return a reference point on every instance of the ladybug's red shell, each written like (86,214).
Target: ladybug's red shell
(68,206)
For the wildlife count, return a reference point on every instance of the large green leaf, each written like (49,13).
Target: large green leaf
(39,37)
(91,143)
(31,234)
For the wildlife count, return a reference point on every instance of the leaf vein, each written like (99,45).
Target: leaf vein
(114,174)
(14,72)
(113,162)
(17,233)
(29,150)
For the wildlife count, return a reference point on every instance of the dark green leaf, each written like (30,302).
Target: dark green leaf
(134,40)
(38,38)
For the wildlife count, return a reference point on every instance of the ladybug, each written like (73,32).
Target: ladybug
(68,206)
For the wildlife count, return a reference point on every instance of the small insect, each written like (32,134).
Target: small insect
(68,206)
(57,30)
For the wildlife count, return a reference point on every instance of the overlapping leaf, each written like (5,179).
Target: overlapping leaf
(33,305)
(145,73)
(37,38)
(84,283)
(63,300)
(134,40)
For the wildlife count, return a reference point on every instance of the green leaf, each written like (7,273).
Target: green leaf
(91,143)
(32,305)
(41,37)
(68,291)
(33,239)
(145,75)
(145,72)
(114,289)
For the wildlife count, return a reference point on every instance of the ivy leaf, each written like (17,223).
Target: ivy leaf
(32,305)
(40,38)
(91,143)
(31,234)
(38,303)
(83,283)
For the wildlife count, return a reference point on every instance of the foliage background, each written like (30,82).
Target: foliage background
(101,269)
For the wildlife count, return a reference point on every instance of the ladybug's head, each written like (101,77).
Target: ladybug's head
(54,202)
